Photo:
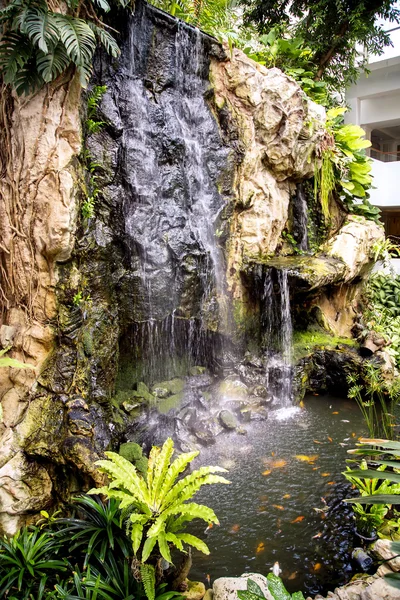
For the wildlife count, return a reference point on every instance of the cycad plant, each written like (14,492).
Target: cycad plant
(157,504)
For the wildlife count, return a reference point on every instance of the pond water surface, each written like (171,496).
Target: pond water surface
(285,500)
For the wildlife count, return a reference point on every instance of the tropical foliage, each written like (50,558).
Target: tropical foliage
(157,504)
(378,480)
(38,43)
(275,588)
(377,398)
(332,30)
(345,167)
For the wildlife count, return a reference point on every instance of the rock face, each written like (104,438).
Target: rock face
(276,132)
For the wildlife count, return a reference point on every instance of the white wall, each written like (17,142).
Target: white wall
(387,181)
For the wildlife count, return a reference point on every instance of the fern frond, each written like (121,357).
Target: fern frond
(106,39)
(125,475)
(194,541)
(192,511)
(148,575)
(161,465)
(171,537)
(148,547)
(189,485)
(164,548)
(154,452)
(41,27)
(51,65)
(136,536)
(176,468)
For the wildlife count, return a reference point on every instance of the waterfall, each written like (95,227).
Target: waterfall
(170,161)
(277,330)
(300,218)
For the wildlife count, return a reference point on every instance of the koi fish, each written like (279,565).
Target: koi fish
(286,496)
(330,439)
(267,472)
(208,578)
(325,474)
(298,519)
(235,528)
(306,458)
(344,421)
(317,567)
(276,569)
(330,483)
(260,548)
(318,535)
(317,442)
(335,412)
(209,526)
(278,506)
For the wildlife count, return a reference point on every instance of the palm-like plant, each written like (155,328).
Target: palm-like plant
(157,503)
(27,564)
(39,44)
(98,531)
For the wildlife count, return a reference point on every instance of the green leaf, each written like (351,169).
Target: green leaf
(277,588)
(147,548)
(254,588)
(106,40)
(375,499)
(194,541)
(164,549)
(42,28)
(15,52)
(370,474)
(5,361)
(78,39)
(51,65)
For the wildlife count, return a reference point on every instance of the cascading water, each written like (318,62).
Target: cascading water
(171,160)
(300,218)
(277,326)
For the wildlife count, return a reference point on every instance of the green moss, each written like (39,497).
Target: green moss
(134,453)
(305,342)
(167,404)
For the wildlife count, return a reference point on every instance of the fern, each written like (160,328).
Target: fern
(158,504)
(148,575)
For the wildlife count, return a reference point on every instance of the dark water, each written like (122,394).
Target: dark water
(270,517)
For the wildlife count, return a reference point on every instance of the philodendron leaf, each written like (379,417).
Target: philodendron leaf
(277,588)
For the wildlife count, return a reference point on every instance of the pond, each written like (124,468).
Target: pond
(284,502)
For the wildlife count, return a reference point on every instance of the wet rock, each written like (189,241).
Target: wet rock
(160,392)
(233,389)
(130,406)
(77,403)
(170,403)
(173,386)
(228,419)
(260,391)
(197,370)
(382,549)
(226,588)
(194,591)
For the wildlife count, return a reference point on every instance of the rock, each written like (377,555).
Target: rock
(226,588)
(228,419)
(209,595)
(173,402)
(233,389)
(260,391)
(173,386)
(195,591)
(379,589)
(131,451)
(129,406)
(371,344)
(160,392)
(383,551)
(197,370)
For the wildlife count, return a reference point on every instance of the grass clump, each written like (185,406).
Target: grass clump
(305,342)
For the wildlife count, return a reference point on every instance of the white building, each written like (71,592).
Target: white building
(375,106)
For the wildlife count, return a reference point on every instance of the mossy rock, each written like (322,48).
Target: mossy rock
(197,370)
(134,453)
(233,389)
(306,342)
(174,386)
(195,590)
(167,404)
